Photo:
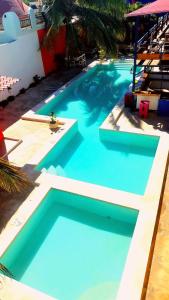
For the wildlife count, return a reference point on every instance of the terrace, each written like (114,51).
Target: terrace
(35,135)
(21,121)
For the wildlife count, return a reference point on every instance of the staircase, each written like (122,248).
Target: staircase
(123,64)
(59,171)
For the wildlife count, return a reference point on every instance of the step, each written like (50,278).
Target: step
(58,170)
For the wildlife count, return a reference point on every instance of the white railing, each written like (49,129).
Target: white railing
(1,25)
(39,18)
(25,21)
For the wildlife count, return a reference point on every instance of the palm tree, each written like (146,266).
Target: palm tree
(134,6)
(5,271)
(12,179)
(100,21)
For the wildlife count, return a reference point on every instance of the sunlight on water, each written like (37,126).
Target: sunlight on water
(86,157)
(73,248)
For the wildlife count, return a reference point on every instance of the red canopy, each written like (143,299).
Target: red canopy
(157,7)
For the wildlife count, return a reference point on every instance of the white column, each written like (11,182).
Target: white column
(31,13)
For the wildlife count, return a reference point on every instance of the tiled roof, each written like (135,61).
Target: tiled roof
(16,6)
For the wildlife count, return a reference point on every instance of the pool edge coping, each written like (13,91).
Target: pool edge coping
(145,208)
(160,160)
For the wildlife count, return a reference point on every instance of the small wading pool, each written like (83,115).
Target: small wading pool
(73,247)
(121,161)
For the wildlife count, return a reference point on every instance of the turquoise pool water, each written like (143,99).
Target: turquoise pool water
(73,247)
(87,156)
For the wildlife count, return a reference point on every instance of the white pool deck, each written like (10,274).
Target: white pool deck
(37,140)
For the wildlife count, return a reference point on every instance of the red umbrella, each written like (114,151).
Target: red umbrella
(156,7)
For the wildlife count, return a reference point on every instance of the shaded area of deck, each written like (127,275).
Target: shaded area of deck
(156,285)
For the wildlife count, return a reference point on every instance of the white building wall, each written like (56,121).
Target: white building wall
(21,56)
(22,59)
(152,98)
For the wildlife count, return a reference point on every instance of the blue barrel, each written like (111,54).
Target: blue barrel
(163,107)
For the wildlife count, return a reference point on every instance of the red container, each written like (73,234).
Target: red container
(144,108)
(1,136)
(128,98)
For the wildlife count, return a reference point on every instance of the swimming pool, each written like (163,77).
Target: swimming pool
(86,156)
(73,247)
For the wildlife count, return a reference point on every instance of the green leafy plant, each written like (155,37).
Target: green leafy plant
(99,22)
(26,2)
(134,6)
(52,118)
(102,55)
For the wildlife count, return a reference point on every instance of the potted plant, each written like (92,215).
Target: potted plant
(53,123)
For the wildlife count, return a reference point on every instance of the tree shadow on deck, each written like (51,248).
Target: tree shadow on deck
(153,121)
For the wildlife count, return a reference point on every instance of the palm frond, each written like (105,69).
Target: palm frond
(5,271)
(101,19)
(104,5)
(101,27)
(72,39)
(12,179)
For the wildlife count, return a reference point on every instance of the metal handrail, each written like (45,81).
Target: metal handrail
(152,31)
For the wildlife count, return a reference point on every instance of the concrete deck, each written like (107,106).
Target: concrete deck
(157,285)
(13,127)
(133,121)
(22,103)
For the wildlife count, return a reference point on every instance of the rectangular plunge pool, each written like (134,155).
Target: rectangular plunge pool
(114,159)
(73,247)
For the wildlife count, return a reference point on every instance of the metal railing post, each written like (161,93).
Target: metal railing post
(135,52)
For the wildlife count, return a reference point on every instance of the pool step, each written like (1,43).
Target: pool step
(124,61)
(54,170)
(126,64)
(60,171)
(122,68)
(123,65)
